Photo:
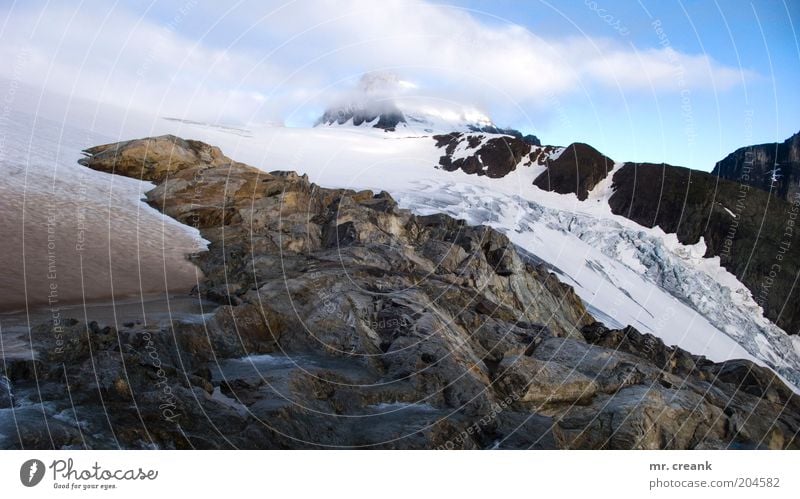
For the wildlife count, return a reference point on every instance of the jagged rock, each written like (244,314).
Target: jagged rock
(494,157)
(642,417)
(750,378)
(387,118)
(694,398)
(671,359)
(347,322)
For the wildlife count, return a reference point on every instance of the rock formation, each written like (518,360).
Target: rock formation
(489,154)
(575,171)
(343,321)
(772,167)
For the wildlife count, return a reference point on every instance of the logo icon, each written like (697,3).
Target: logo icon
(31,472)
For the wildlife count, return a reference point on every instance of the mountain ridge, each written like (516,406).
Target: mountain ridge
(772,167)
(750,233)
(380,101)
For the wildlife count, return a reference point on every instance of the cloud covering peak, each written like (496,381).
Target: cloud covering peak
(263,61)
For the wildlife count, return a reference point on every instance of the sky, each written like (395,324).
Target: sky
(682,82)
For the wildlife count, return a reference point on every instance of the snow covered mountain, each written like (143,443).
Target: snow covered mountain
(626,271)
(572,208)
(382,100)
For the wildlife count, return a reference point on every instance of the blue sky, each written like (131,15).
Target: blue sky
(680,82)
(695,128)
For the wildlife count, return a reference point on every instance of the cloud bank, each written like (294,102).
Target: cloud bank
(273,60)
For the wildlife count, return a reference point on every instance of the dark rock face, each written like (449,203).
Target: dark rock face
(6,393)
(576,171)
(753,234)
(347,322)
(528,139)
(770,167)
(387,118)
(481,155)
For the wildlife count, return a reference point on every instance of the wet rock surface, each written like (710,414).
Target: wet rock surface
(343,321)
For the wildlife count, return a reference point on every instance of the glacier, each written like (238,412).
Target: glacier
(627,275)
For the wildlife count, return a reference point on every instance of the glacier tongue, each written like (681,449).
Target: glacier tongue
(627,274)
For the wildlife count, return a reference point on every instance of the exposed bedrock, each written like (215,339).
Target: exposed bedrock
(344,321)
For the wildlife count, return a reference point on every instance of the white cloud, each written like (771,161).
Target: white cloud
(452,44)
(130,60)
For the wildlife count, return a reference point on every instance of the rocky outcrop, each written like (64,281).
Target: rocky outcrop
(487,154)
(677,401)
(527,138)
(152,158)
(576,170)
(386,119)
(753,234)
(344,321)
(771,167)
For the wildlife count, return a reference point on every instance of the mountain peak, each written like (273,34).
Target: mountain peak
(383,100)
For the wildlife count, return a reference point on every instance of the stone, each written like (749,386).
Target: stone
(543,383)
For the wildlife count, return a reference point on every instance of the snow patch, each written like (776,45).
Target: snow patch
(729,212)
(557,153)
